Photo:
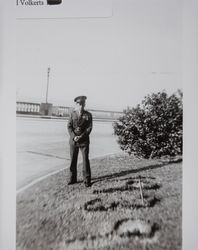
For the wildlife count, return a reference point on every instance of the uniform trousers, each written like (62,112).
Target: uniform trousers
(74,150)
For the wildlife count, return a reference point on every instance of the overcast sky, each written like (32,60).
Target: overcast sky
(115,61)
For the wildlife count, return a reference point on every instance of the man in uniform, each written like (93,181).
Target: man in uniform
(79,127)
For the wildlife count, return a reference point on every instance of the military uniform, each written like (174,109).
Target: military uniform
(80,124)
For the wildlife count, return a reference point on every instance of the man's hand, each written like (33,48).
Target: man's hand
(77,138)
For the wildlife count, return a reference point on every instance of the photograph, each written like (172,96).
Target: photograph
(99,125)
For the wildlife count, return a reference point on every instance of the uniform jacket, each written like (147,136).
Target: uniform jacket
(80,125)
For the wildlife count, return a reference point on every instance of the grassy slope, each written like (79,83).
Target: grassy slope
(52,215)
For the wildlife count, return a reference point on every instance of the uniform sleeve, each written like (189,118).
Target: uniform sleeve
(89,128)
(70,126)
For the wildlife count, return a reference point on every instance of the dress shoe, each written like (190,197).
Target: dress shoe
(71,182)
(87,184)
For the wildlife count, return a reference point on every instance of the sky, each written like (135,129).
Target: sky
(115,61)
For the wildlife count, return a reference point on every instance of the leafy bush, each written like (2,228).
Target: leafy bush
(154,128)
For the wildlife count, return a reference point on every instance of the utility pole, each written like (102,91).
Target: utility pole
(48,74)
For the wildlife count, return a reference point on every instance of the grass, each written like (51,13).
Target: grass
(108,215)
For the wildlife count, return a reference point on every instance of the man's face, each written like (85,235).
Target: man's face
(80,106)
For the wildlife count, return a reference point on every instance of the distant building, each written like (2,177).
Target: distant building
(61,111)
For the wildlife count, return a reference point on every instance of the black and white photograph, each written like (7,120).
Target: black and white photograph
(99,125)
(99,129)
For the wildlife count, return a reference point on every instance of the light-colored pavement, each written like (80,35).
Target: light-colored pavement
(42,147)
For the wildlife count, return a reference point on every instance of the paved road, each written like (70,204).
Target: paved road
(42,147)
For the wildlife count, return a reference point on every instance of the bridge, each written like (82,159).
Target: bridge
(47,109)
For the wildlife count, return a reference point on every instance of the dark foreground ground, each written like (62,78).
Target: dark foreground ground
(109,215)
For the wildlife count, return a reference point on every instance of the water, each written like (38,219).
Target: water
(42,146)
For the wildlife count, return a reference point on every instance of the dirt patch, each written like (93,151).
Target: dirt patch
(102,204)
(130,185)
(122,230)
(145,184)
(138,228)
(99,205)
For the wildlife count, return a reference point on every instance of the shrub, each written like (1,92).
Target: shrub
(153,128)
